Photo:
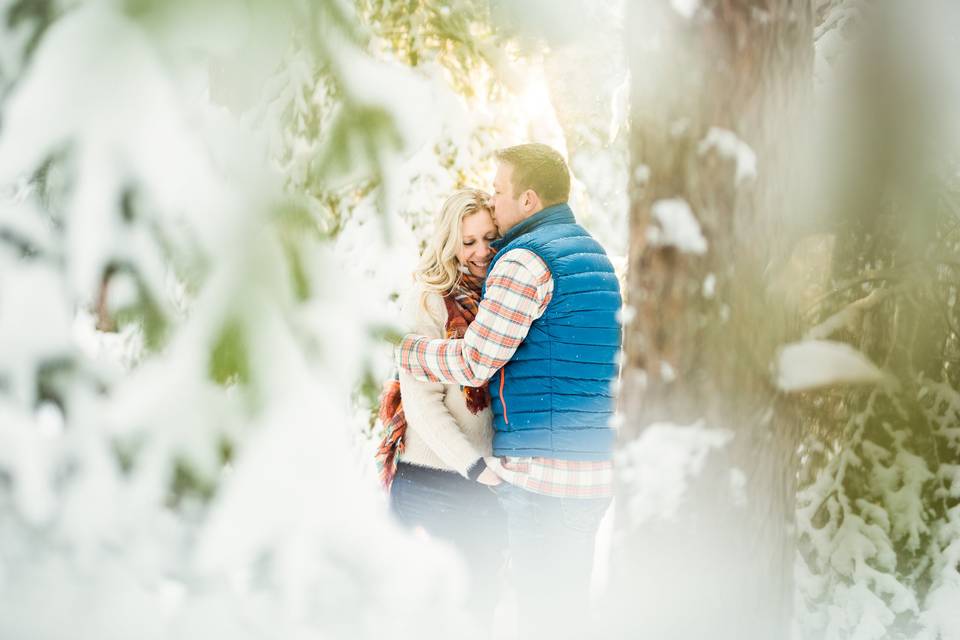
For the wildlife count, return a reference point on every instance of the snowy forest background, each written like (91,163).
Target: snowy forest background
(208,211)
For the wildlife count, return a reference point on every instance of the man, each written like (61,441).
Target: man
(546,337)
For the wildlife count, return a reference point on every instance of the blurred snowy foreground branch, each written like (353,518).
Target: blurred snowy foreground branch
(193,474)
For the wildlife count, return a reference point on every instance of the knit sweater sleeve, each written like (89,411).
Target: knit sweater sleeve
(423,402)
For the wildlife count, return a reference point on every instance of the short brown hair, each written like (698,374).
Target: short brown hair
(540,168)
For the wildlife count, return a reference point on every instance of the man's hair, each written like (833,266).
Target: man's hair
(540,168)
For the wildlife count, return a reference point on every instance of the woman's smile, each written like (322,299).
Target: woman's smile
(480,264)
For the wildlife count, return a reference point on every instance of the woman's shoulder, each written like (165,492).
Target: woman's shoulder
(423,307)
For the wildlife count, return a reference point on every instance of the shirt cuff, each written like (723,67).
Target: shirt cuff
(403,352)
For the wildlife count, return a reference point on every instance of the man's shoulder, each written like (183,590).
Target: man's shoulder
(519,259)
(556,239)
(522,255)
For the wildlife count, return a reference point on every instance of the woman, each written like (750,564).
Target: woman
(437,436)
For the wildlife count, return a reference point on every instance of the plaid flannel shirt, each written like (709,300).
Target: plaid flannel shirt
(519,288)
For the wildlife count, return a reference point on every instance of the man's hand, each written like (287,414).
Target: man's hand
(489,478)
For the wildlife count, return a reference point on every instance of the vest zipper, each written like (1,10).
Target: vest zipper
(502,401)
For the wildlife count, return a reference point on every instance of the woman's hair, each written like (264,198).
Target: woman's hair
(438,269)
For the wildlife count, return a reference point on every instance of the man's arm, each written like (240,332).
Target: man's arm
(518,291)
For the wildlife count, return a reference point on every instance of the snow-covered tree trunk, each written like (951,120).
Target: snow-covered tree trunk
(704,544)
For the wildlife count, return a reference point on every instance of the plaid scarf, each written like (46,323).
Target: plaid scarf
(462,303)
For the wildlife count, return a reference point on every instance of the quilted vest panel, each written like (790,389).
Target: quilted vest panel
(554,398)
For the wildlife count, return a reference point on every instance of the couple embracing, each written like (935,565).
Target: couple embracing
(503,436)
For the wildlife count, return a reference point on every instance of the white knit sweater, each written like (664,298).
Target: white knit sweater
(441,431)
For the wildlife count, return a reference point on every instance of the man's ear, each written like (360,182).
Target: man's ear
(530,201)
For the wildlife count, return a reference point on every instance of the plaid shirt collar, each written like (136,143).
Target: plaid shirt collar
(554,214)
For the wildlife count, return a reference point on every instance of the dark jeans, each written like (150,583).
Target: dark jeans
(551,558)
(465,513)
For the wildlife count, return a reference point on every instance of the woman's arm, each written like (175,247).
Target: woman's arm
(423,402)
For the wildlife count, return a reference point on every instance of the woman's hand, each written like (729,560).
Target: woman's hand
(489,478)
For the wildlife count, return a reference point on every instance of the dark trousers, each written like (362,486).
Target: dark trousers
(466,514)
(551,559)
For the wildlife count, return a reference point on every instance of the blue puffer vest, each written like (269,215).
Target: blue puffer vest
(554,398)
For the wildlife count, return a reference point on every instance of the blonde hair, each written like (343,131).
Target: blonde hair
(438,269)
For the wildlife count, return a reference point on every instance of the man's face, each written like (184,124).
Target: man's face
(507,211)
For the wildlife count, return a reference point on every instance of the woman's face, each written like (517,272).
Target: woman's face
(477,231)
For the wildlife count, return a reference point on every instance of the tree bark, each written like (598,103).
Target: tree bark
(706,326)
